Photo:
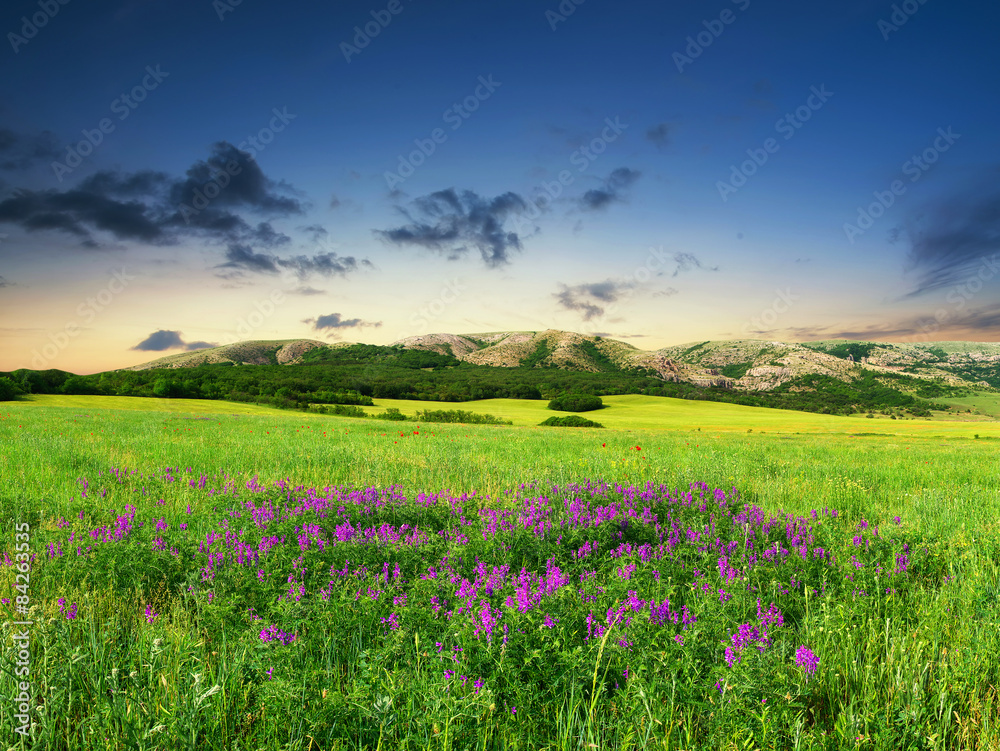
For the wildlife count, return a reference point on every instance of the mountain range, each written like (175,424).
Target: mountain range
(744,365)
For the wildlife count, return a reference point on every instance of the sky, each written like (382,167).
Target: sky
(177,175)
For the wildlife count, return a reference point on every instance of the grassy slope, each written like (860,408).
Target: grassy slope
(629,412)
(984,406)
(144,404)
(819,460)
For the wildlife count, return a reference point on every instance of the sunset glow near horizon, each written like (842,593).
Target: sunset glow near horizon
(180,177)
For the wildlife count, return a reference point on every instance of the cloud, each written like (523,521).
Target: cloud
(660,134)
(610,335)
(242,257)
(246,185)
(163,339)
(592,299)
(79,212)
(208,203)
(335,202)
(336,321)
(617,182)
(6,283)
(306,291)
(19,151)
(159,341)
(452,224)
(953,242)
(980,324)
(264,234)
(316,232)
(688,261)
(324,264)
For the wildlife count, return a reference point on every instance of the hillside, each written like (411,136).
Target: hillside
(284,352)
(561,349)
(744,365)
(747,365)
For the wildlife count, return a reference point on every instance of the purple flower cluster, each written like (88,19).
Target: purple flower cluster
(807,660)
(272,633)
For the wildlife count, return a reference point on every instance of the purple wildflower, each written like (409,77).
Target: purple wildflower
(807,660)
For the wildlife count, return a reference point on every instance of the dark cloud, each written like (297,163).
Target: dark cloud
(136,185)
(162,340)
(316,232)
(955,241)
(241,181)
(243,258)
(660,134)
(334,202)
(688,261)
(324,264)
(5,283)
(618,181)
(19,151)
(78,212)
(159,341)
(452,224)
(151,207)
(264,234)
(336,321)
(592,299)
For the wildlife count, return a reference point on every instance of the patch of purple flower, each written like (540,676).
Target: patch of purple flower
(807,660)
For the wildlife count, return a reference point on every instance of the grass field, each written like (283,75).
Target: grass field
(982,406)
(209,575)
(632,412)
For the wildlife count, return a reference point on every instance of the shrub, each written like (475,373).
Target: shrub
(576,403)
(391,414)
(571,421)
(346,410)
(458,415)
(9,390)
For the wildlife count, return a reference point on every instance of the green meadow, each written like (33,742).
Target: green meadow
(165,648)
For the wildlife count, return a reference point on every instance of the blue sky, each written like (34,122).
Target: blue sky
(656,174)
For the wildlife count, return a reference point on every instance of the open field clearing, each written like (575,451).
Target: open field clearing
(633,412)
(252,578)
(982,406)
